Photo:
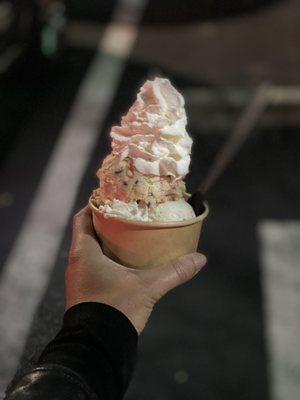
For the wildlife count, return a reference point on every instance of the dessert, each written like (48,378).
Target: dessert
(142,178)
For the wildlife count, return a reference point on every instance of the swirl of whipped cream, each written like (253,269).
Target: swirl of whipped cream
(153,133)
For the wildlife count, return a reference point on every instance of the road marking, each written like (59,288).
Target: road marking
(280,258)
(29,265)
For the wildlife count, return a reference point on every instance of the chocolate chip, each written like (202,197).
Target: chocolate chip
(118,171)
(138,201)
(125,183)
(148,204)
(136,181)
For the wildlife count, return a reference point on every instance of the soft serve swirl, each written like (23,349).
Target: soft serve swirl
(153,133)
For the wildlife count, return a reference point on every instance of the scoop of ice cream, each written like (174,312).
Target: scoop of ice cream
(174,211)
(168,211)
(120,180)
(121,209)
(153,133)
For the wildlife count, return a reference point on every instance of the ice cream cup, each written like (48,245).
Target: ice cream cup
(145,245)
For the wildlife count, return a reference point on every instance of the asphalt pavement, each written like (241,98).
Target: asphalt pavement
(220,336)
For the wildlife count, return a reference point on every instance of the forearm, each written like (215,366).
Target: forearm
(95,350)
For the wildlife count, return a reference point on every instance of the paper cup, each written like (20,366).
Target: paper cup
(145,245)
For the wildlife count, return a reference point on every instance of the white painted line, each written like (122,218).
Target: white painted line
(118,38)
(28,268)
(280,258)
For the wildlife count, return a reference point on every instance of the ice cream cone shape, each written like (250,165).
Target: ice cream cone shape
(141,211)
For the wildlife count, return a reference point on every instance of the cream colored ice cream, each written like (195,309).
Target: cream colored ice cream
(142,178)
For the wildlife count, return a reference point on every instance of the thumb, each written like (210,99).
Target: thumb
(83,229)
(176,273)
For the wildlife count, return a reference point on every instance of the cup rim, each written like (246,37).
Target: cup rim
(171,224)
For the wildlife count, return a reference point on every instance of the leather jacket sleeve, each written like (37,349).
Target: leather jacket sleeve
(91,358)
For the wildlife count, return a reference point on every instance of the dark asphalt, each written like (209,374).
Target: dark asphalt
(206,340)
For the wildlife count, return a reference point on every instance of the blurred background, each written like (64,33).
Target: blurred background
(68,71)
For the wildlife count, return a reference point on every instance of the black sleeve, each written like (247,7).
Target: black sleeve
(92,357)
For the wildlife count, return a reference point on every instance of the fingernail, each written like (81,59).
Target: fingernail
(199,260)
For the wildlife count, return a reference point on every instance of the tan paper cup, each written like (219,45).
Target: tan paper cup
(144,245)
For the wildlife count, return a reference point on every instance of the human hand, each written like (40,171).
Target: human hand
(91,276)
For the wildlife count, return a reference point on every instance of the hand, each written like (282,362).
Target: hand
(91,276)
